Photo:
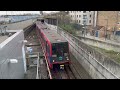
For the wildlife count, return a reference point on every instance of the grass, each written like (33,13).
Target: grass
(69,28)
(110,53)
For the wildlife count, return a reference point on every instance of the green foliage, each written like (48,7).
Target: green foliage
(110,53)
(64,23)
(76,26)
(68,28)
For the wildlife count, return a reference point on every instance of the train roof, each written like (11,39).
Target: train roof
(52,35)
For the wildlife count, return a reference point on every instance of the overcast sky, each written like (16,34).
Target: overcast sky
(21,12)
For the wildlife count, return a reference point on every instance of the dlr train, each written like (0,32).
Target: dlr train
(56,48)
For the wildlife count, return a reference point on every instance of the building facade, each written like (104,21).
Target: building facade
(84,17)
(109,19)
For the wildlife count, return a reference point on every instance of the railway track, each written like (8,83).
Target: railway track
(65,73)
(58,73)
(38,70)
(42,70)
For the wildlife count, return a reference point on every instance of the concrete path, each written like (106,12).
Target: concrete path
(101,39)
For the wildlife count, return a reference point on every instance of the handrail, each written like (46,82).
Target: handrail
(37,75)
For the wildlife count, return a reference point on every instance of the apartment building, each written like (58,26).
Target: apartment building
(84,17)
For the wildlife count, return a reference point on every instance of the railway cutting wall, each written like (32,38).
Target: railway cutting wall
(97,65)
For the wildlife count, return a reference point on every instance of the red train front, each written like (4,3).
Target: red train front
(56,48)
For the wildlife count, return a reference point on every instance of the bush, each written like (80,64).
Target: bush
(68,28)
(76,26)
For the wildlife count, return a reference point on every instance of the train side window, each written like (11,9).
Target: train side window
(48,49)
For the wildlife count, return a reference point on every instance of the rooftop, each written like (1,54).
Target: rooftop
(52,35)
(11,34)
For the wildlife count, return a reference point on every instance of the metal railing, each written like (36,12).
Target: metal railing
(37,75)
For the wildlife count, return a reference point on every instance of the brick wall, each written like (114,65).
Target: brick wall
(110,15)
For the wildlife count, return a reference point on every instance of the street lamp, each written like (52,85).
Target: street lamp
(116,22)
(83,31)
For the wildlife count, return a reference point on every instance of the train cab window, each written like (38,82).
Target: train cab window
(60,49)
(53,49)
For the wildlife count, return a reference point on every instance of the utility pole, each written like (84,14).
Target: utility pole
(116,22)
(57,23)
(41,12)
(93,26)
(85,25)
(106,28)
(117,19)
(87,21)
(95,18)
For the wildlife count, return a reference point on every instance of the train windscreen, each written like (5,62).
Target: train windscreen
(60,49)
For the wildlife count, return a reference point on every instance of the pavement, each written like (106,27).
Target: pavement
(101,39)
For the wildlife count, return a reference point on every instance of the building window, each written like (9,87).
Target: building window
(90,16)
(84,11)
(84,22)
(84,16)
(89,21)
(79,15)
(79,21)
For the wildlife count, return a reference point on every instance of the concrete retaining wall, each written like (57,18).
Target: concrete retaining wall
(97,65)
(117,38)
(11,48)
(108,45)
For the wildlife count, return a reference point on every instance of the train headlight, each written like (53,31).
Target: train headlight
(53,60)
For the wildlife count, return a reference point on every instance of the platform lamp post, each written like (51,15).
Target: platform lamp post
(24,56)
(5,28)
(83,30)
(56,22)
(116,23)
